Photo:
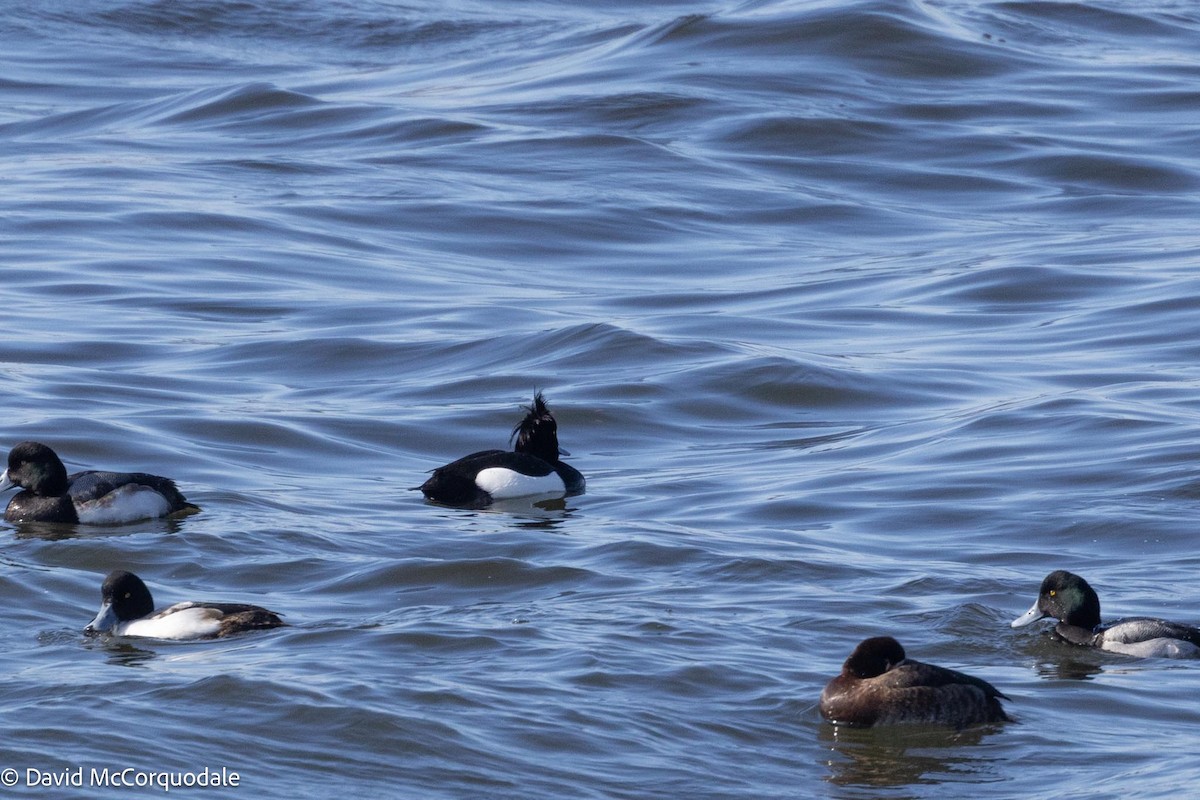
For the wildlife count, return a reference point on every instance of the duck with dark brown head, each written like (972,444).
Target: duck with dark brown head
(879,685)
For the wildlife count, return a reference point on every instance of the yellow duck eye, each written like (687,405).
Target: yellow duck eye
(1053,592)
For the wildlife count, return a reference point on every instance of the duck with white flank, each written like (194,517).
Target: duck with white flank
(127,609)
(91,497)
(1069,599)
(531,468)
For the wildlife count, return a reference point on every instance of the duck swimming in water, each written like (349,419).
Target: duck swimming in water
(879,685)
(91,497)
(1069,599)
(127,609)
(531,468)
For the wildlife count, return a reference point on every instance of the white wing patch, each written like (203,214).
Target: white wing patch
(502,483)
(127,503)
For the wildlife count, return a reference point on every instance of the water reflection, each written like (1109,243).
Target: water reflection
(1069,669)
(47,531)
(59,531)
(119,651)
(530,512)
(1055,658)
(899,756)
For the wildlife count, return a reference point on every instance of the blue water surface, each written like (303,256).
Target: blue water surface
(859,316)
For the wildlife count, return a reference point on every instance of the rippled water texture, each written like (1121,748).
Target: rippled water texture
(859,317)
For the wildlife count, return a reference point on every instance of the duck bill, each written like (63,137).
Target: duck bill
(104,621)
(1029,617)
(6,482)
